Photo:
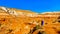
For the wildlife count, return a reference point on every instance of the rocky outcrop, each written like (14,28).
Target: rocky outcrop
(15,21)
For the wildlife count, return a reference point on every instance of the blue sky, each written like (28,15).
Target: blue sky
(33,5)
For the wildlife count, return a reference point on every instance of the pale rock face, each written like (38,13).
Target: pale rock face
(3,8)
(52,13)
(13,12)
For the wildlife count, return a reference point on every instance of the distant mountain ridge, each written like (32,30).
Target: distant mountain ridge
(25,12)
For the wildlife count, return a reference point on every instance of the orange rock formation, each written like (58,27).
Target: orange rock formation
(14,21)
